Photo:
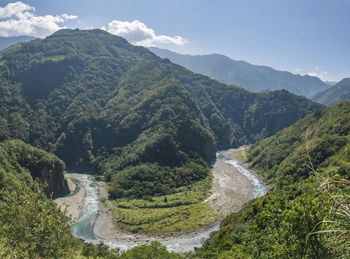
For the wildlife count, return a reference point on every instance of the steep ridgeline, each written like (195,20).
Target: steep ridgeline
(252,77)
(338,92)
(306,215)
(101,103)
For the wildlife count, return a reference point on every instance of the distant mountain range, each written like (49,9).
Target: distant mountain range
(331,83)
(8,41)
(340,91)
(252,77)
(222,68)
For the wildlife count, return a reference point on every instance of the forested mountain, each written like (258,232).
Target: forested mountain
(105,105)
(251,77)
(306,215)
(338,92)
(6,42)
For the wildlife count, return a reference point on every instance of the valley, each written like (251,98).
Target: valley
(109,151)
(230,191)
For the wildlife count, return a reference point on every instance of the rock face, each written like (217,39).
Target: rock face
(26,163)
(53,175)
(49,170)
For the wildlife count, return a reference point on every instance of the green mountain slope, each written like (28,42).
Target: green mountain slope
(338,92)
(30,225)
(251,77)
(306,215)
(105,105)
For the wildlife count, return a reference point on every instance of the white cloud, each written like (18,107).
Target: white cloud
(138,33)
(19,19)
(69,17)
(15,9)
(297,70)
(323,75)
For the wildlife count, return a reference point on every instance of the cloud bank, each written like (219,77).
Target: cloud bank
(138,33)
(19,19)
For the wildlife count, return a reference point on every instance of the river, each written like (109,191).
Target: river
(83,228)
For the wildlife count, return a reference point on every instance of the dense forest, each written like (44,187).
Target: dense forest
(102,104)
(306,215)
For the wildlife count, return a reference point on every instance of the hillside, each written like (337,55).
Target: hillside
(104,105)
(338,92)
(29,223)
(6,42)
(306,215)
(251,77)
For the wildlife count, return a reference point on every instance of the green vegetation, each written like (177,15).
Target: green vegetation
(240,154)
(179,212)
(148,127)
(338,92)
(30,225)
(155,251)
(102,104)
(158,221)
(322,138)
(307,213)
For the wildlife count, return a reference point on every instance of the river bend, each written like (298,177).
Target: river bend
(83,228)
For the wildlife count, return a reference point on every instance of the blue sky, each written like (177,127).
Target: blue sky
(301,36)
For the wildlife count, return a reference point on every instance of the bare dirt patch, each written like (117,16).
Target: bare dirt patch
(230,189)
(72,205)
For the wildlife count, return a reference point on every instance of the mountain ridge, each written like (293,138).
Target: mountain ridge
(251,77)
(338,92)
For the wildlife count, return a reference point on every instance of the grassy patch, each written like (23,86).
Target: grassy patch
(240,154)
(166,220)
(178,212)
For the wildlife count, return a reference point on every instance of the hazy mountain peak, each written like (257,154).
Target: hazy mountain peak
(255,78)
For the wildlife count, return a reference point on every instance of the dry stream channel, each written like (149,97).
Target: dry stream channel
(84,225)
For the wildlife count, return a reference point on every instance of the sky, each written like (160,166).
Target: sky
(301,36)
